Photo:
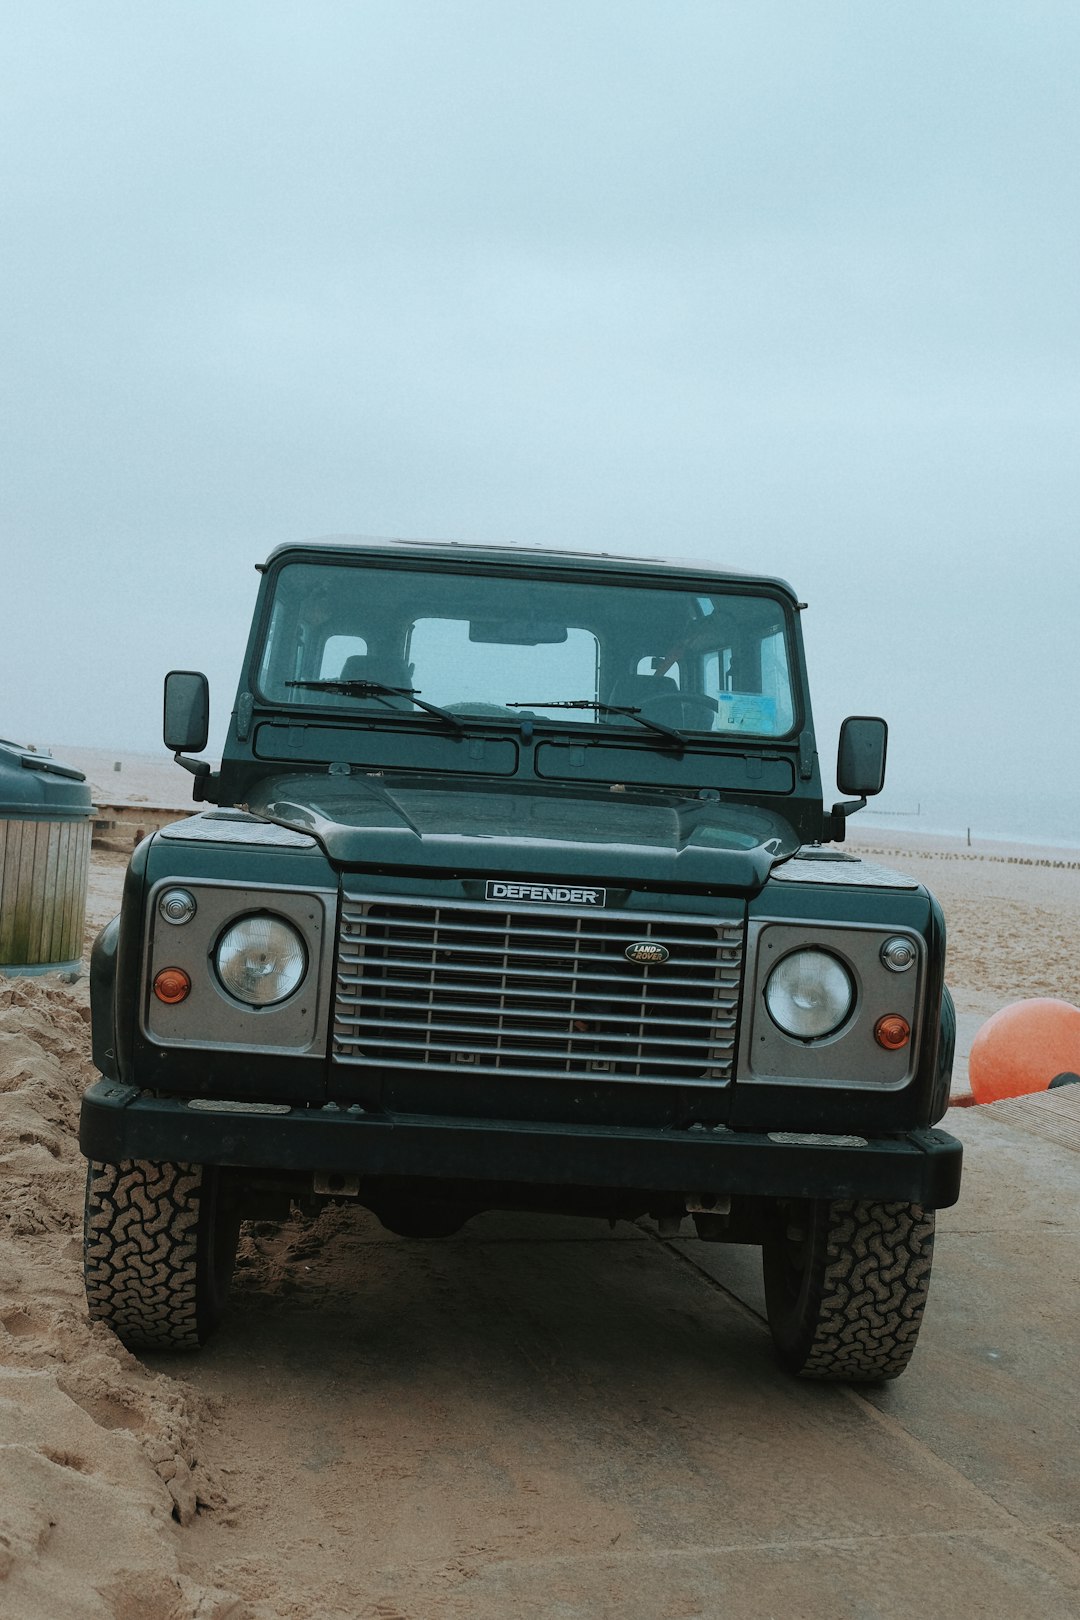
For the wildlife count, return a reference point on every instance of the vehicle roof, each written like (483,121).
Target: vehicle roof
(542,556)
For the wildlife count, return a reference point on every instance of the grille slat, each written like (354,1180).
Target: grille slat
(605,926)
(583,1011)
(519,1030)
(478,986)
(500,991)
(479,942)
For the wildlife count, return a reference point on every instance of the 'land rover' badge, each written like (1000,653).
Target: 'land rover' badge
(646,952)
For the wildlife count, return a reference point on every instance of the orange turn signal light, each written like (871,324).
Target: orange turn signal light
(172,985)
(892,1032)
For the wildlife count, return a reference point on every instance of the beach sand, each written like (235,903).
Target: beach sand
(106,1461)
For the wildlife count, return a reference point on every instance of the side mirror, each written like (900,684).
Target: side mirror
(860,765)
(187,711)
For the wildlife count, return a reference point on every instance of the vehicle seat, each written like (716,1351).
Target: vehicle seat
(658,697)
(634,691)
(389,670)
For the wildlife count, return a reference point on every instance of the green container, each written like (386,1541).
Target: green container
(45,827)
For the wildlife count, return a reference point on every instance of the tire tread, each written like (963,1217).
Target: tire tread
(864,1306)
(141,1251)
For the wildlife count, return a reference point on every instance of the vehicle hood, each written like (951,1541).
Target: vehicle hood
(593,835)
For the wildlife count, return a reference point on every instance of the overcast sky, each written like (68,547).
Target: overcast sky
(793,287)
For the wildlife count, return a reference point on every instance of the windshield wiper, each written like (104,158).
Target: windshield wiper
(609,708)
(379,689)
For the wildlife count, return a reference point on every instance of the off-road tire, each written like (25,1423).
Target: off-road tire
(845,1287)
(158,1252)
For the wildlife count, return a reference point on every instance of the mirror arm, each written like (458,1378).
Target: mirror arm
(202,773)
(840,813)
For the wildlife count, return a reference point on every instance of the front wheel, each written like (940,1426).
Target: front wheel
(158,1251)
(846,1285)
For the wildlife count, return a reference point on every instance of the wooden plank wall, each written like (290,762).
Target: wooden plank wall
(43,873)
(122,826)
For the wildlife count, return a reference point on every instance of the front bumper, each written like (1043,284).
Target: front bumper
(120,1122)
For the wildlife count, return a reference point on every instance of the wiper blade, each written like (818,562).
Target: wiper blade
(609,708)
(380,689)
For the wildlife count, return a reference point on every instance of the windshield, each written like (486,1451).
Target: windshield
(474,644)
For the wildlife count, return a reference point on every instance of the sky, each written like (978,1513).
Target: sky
(789,287)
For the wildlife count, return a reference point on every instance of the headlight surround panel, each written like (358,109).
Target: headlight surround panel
(293,1017)
(844,1054)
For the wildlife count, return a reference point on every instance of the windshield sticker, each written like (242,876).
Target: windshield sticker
(547,894)
(746,711)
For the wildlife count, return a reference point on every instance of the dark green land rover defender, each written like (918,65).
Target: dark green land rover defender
(515,890)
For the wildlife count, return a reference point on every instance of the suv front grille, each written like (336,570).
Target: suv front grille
(503,991)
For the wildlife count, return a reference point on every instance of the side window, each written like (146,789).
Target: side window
(283,656)
(751,685)
(335,651)
(649,666)
(716,673)
(776,679)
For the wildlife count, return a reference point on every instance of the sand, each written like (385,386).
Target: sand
(1012,912)
(128,1492)
(100,1456)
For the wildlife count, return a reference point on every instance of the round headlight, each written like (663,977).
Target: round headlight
(260,960)
(809,994)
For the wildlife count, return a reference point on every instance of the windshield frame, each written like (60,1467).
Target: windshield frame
(529,567)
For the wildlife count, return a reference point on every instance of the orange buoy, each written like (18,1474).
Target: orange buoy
(1029,1046)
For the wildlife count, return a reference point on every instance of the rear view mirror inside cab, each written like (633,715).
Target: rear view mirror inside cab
(517,632)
